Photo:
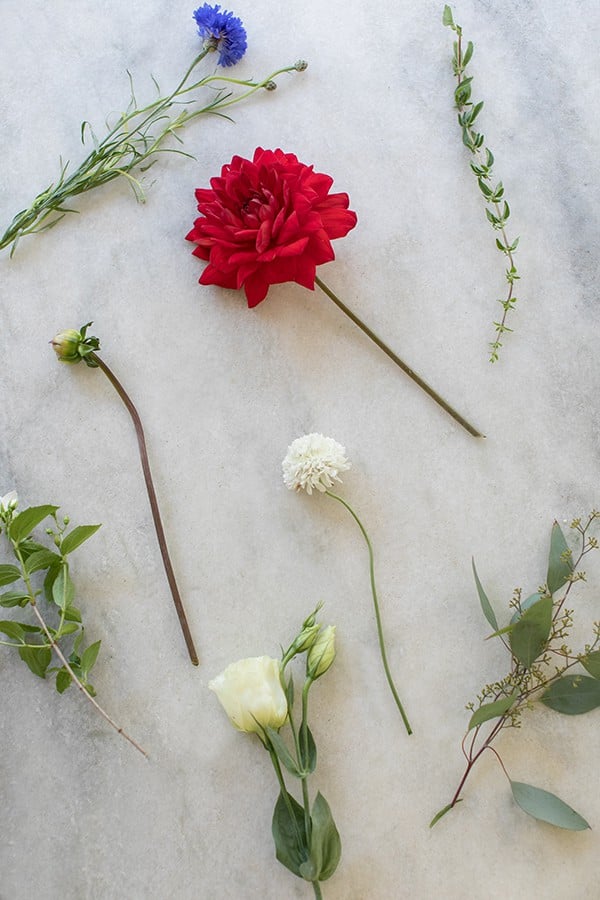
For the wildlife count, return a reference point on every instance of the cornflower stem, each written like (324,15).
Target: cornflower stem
(63,658)
(399,362)
(160,533)
(382,649)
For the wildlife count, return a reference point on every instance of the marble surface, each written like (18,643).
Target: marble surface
(223,390)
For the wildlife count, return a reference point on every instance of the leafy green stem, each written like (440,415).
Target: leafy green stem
(304,759)
(399,362)
(380,636)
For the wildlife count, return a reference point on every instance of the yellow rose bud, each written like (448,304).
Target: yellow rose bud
(250,692)
(322,653)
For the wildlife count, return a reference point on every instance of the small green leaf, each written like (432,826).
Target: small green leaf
(309,763)
(72,614)
(63,589)
(591,662)
(38,659)
(447,16)
(485,603)
(63,680)
(573,695)
(442,812)
(492,710)
(12,630)
(325,843)
(560,564)
(283,754)
(23,524)
(41,559)
(528,637)
(89,657)
(468,54)
(289,693)
(69,628)
(8,574)
(546,807)
(51,576)
(12,598)
(76,537)
(289,835)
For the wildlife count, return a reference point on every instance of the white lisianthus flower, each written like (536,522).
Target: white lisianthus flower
(313,461)
(9,501)
(250,692)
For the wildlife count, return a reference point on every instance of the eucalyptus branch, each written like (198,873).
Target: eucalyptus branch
(498,210)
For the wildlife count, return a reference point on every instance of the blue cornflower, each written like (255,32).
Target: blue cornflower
(223,31)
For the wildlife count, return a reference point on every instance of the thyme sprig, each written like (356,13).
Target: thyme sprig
(134,142)
(498,210)
(540,664)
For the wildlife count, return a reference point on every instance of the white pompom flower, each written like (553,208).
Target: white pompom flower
(313,461)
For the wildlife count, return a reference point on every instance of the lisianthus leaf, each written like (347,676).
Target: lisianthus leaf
(289,835)
(442,813)
(309,763)
(38,659)
(76,537)
(325,843)
(529,635)
(283,754)
(23,524)
(573,695)
(591,662)
(546,807)
(8,574)
(560,564)
(486,606)
(491,710)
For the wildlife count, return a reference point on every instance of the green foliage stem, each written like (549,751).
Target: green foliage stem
(498,210)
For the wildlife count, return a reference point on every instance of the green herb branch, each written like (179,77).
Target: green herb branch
(541,660)
(498,210)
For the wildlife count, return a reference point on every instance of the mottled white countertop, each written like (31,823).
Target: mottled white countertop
(223,390)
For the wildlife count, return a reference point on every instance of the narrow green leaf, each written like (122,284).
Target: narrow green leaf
(41,559)
(529,635)
(12,630)
(591,662)
(476,110)
(447,16)
(442,812)
(546,807)
(8,574)
(38,660)
(325,843)
(12,598)
(289,693)
(491,710)
(560,564)
(283,754)
(89,657)
(486,606)
(573,695)
(468,54)
(49,580)
(308,764)
(289,835)
(63,680)
(69,628)
(23,524)
(63,589)
(72,614)
(76,537)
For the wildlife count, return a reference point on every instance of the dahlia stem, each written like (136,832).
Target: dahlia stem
(400,363)
(160,533)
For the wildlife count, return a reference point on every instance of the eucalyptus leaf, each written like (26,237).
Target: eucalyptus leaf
(486,606)
(63,589)
(38,659)
(492,710)
(289,835)
(325,843)
(546,807)
(76,537)
(560,564)
(8,574)
(529,635)
(23,524)
(591,662)
(529,601)
(573,695)
(442,812)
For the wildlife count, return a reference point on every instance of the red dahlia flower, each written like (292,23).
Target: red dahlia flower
(267,221)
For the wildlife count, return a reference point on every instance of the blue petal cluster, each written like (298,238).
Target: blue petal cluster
(225,30)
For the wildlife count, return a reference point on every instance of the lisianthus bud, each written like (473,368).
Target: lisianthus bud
(306,638)
(322,653)
(250,692)
(66,345)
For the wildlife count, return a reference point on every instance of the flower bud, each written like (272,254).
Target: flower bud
(322,653)
(305,639)
(300,65)
(66,345)
(8,502)
(251,694)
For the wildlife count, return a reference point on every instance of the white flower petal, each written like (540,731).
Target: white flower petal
(313,462)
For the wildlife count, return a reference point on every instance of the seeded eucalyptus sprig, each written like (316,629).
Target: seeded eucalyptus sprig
(498,210)
(542,668)
(43,569)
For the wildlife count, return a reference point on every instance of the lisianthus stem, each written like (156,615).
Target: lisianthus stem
(400,363)
(317,890)
(160,533)
(382,650)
